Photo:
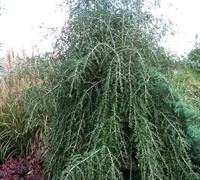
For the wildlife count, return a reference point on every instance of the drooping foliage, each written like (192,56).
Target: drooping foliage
(113,115)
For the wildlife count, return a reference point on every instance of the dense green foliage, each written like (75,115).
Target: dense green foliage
(107,104)
(187,83)
(112,103)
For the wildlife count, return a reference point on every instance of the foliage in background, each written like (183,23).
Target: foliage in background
(194,55)
(20,126)
(187,82)
(12,141)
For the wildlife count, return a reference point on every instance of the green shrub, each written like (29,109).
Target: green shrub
(186,81)
(104,105)
(110,93)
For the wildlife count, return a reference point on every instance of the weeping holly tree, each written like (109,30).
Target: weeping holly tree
(112,118)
